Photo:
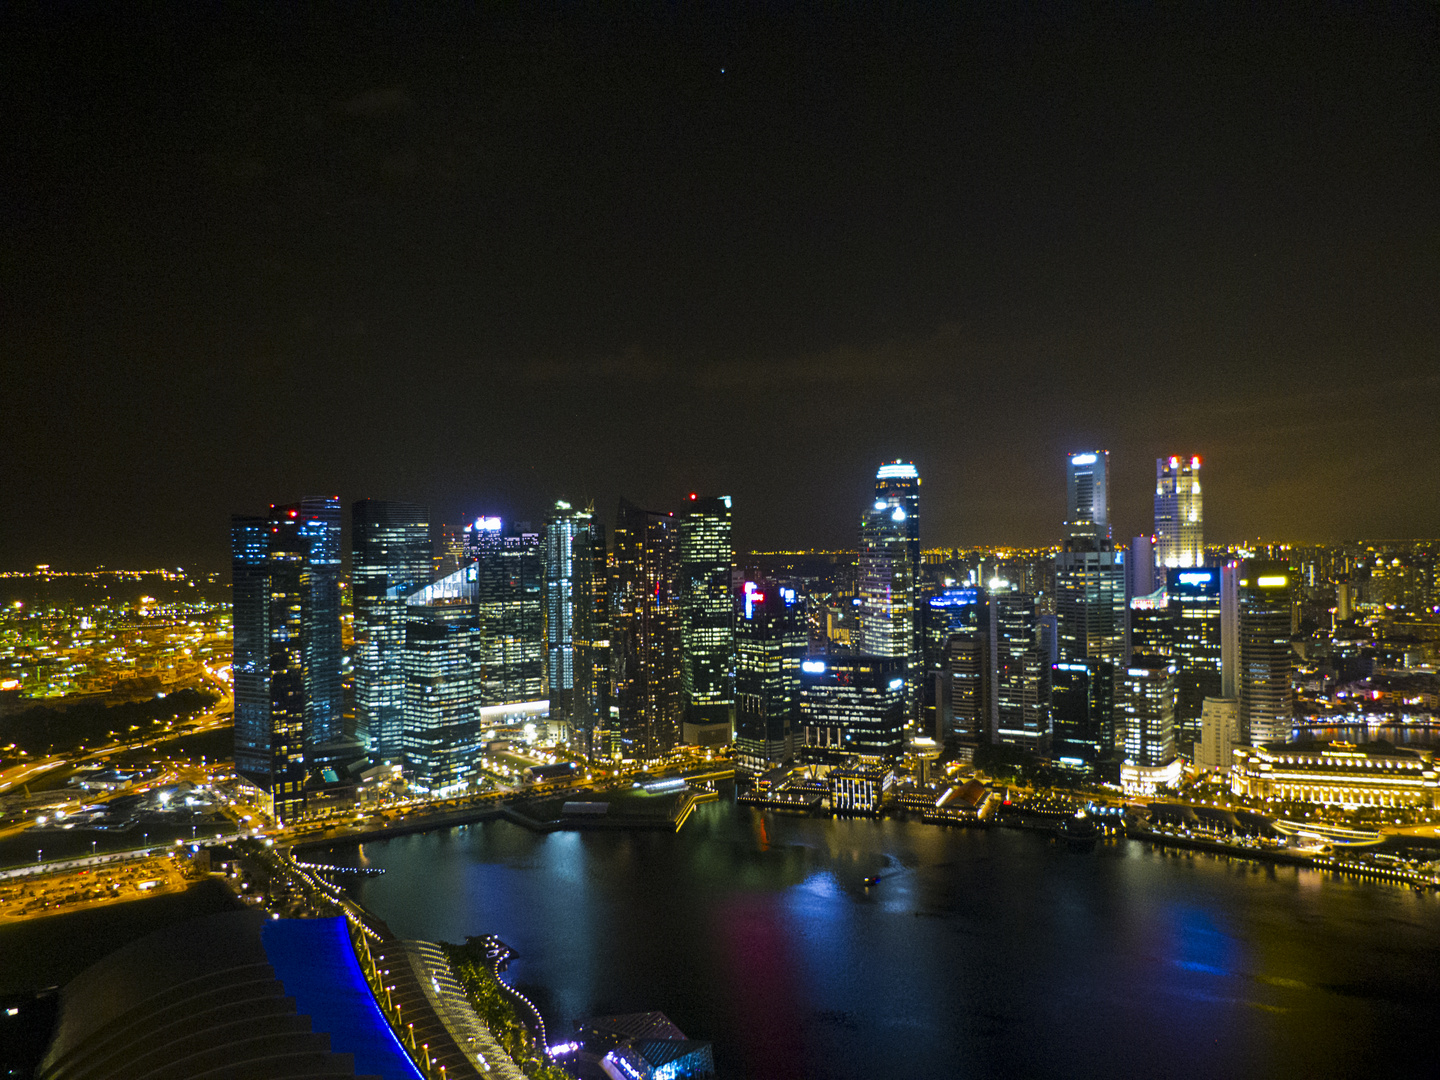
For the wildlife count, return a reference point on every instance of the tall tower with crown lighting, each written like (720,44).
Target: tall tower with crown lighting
(888,575)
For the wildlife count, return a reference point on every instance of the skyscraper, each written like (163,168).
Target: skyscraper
(1152,633)
(1089,573)
(1147,717)
(563,526)
(1194,600)
(390,555)
(319,527)
(441,734)
(590,721)
(888,576)
(1141,570)
(645,632)
(707,618)
(1090,616)
(483,544)
(853,705)
(523,617)
(1020,703)
(1265,657)
(1230,632)
(961,659)
(1179,513)
(287,652)
(250,666)
(1082,712)
(770,642)
(510,610)
(1087,497)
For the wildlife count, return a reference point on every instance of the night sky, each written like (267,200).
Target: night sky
(485,259)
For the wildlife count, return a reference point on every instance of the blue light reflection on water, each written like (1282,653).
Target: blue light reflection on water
(979,953)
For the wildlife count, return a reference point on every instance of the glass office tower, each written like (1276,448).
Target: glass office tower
(852,705)
(1145,726)
(564,525)
(287,649)
(1179,513)
(1090,608)
(250,666)
(1148,715)
(1082,712)
(1194,597)
(523,617)
(960,656)
(770,642)
(648,699)
(1266,710)
(1089,572)
(509,610)
(590,719)
(888,576)
(707,616)
(442,734)
(390,556)
(319,527)
(1020,703)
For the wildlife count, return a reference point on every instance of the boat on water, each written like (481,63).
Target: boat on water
(873,879)
(1079,832)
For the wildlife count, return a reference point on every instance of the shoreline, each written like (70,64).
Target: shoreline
(1400,876)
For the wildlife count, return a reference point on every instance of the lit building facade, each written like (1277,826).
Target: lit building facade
(442,698)
(707,620)
(1194,602)
(1266,708)
(1335,774)
(888,576)
(1021,697)
(960,658)
(648,697)
(1179,513)
(1087,500)
(1219,733)
(1151,633)
(509,610)
(564,525)
(1089,572)
(1145,725)
(287,647)
(522,626)
(590,726)
(858,789)
(770,643)
(854,705)
(390,556)
(1082,713)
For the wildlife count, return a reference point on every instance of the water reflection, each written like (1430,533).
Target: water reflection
(979,953)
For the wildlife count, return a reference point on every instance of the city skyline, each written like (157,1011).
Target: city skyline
(434,257)
(1140,520)
(658,570)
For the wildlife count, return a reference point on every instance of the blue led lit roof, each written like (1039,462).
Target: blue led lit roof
(314,960)
(899,470)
